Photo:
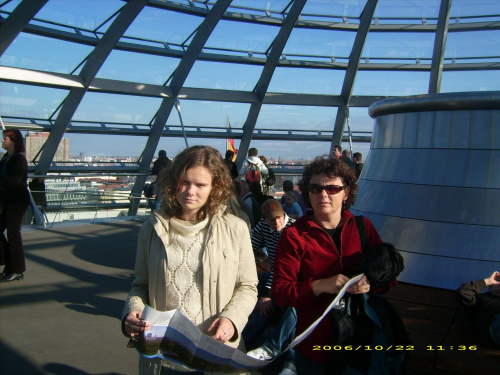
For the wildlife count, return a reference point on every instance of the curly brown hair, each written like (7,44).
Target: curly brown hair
(332,167)
(196,156)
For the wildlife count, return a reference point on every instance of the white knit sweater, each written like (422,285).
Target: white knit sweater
(185,269)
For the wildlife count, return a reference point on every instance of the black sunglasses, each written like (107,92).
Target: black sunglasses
(330,189)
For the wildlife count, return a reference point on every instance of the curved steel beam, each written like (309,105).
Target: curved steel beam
(178,79)
(352,68)
(17,21)
(88,73)
(265,78)
(439,47)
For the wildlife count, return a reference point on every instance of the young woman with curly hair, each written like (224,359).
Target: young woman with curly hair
(193,256)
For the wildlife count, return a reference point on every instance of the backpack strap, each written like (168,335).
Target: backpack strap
(363,236)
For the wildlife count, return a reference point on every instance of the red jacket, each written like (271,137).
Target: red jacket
(305,252)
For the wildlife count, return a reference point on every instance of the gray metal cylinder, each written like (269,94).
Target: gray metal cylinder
(431,185)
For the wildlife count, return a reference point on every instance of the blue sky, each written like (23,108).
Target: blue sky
(160,26)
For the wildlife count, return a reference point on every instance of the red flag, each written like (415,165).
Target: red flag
(230,146)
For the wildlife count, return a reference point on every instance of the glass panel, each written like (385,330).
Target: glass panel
(210,114)
(288,152)
(343,8)
(293,117)
(241,36)
(104,145)
(473,44)
(407,9)
(121,65)
(116,108)
(175,145)
(360,120)
(163,26)
(470,81)
(9,6)
(29,101)
(30,51)
(271,5)
(307,81)
(397,46)
(225,76)
(466,8)
(88,14)
(330,43)
(391,83)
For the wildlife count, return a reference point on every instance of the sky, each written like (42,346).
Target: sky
(41,53)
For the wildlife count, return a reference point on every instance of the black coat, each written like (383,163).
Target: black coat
(13,178)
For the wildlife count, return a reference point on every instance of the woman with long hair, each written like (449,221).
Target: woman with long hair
(193,256)
(14,201)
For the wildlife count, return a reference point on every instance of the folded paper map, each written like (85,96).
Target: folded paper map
(174,337)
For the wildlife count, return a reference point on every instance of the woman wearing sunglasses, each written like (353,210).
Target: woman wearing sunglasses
(316,256)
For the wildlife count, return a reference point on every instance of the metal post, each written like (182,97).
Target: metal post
(349,129)
(178,107)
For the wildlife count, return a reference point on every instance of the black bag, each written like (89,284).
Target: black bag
(343,324)
(271,178)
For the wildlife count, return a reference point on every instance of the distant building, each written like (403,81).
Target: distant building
(35,141)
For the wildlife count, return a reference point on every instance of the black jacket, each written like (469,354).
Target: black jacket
(13,178)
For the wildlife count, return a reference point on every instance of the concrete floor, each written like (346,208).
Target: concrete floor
(64,317)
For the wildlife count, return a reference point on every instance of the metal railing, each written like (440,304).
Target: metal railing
(93,197)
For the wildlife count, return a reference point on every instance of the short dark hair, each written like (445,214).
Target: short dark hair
(337,147)
(162,153)
(358,156)
(208,157)
(332,167)
(253,152)
(229,154)
(287,185)
(17,138)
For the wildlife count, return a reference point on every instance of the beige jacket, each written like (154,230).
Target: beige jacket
(229,274)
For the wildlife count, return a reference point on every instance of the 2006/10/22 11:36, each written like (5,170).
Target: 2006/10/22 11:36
(458,347)
(396,347)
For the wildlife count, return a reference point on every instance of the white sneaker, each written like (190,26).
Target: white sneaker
(260,353)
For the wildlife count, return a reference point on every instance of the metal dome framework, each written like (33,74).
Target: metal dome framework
(265,52)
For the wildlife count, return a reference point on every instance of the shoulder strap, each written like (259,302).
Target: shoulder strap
(360,223)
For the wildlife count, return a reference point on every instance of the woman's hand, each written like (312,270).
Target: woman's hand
(331,285)
(362,286)
(494,279)
(134,324)
(223,328)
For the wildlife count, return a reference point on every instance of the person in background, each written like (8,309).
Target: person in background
(253,163)
(159,164)
(357,157)
(266,235)
(14,201)
(288,187)
(265,188)
(291,206)
(337,151)
(37,189)
(346,158)
(316,256)
(485,306)
(194,257)
(231,165)
(250,201)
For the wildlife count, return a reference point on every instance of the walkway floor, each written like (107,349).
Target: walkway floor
(64,317)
